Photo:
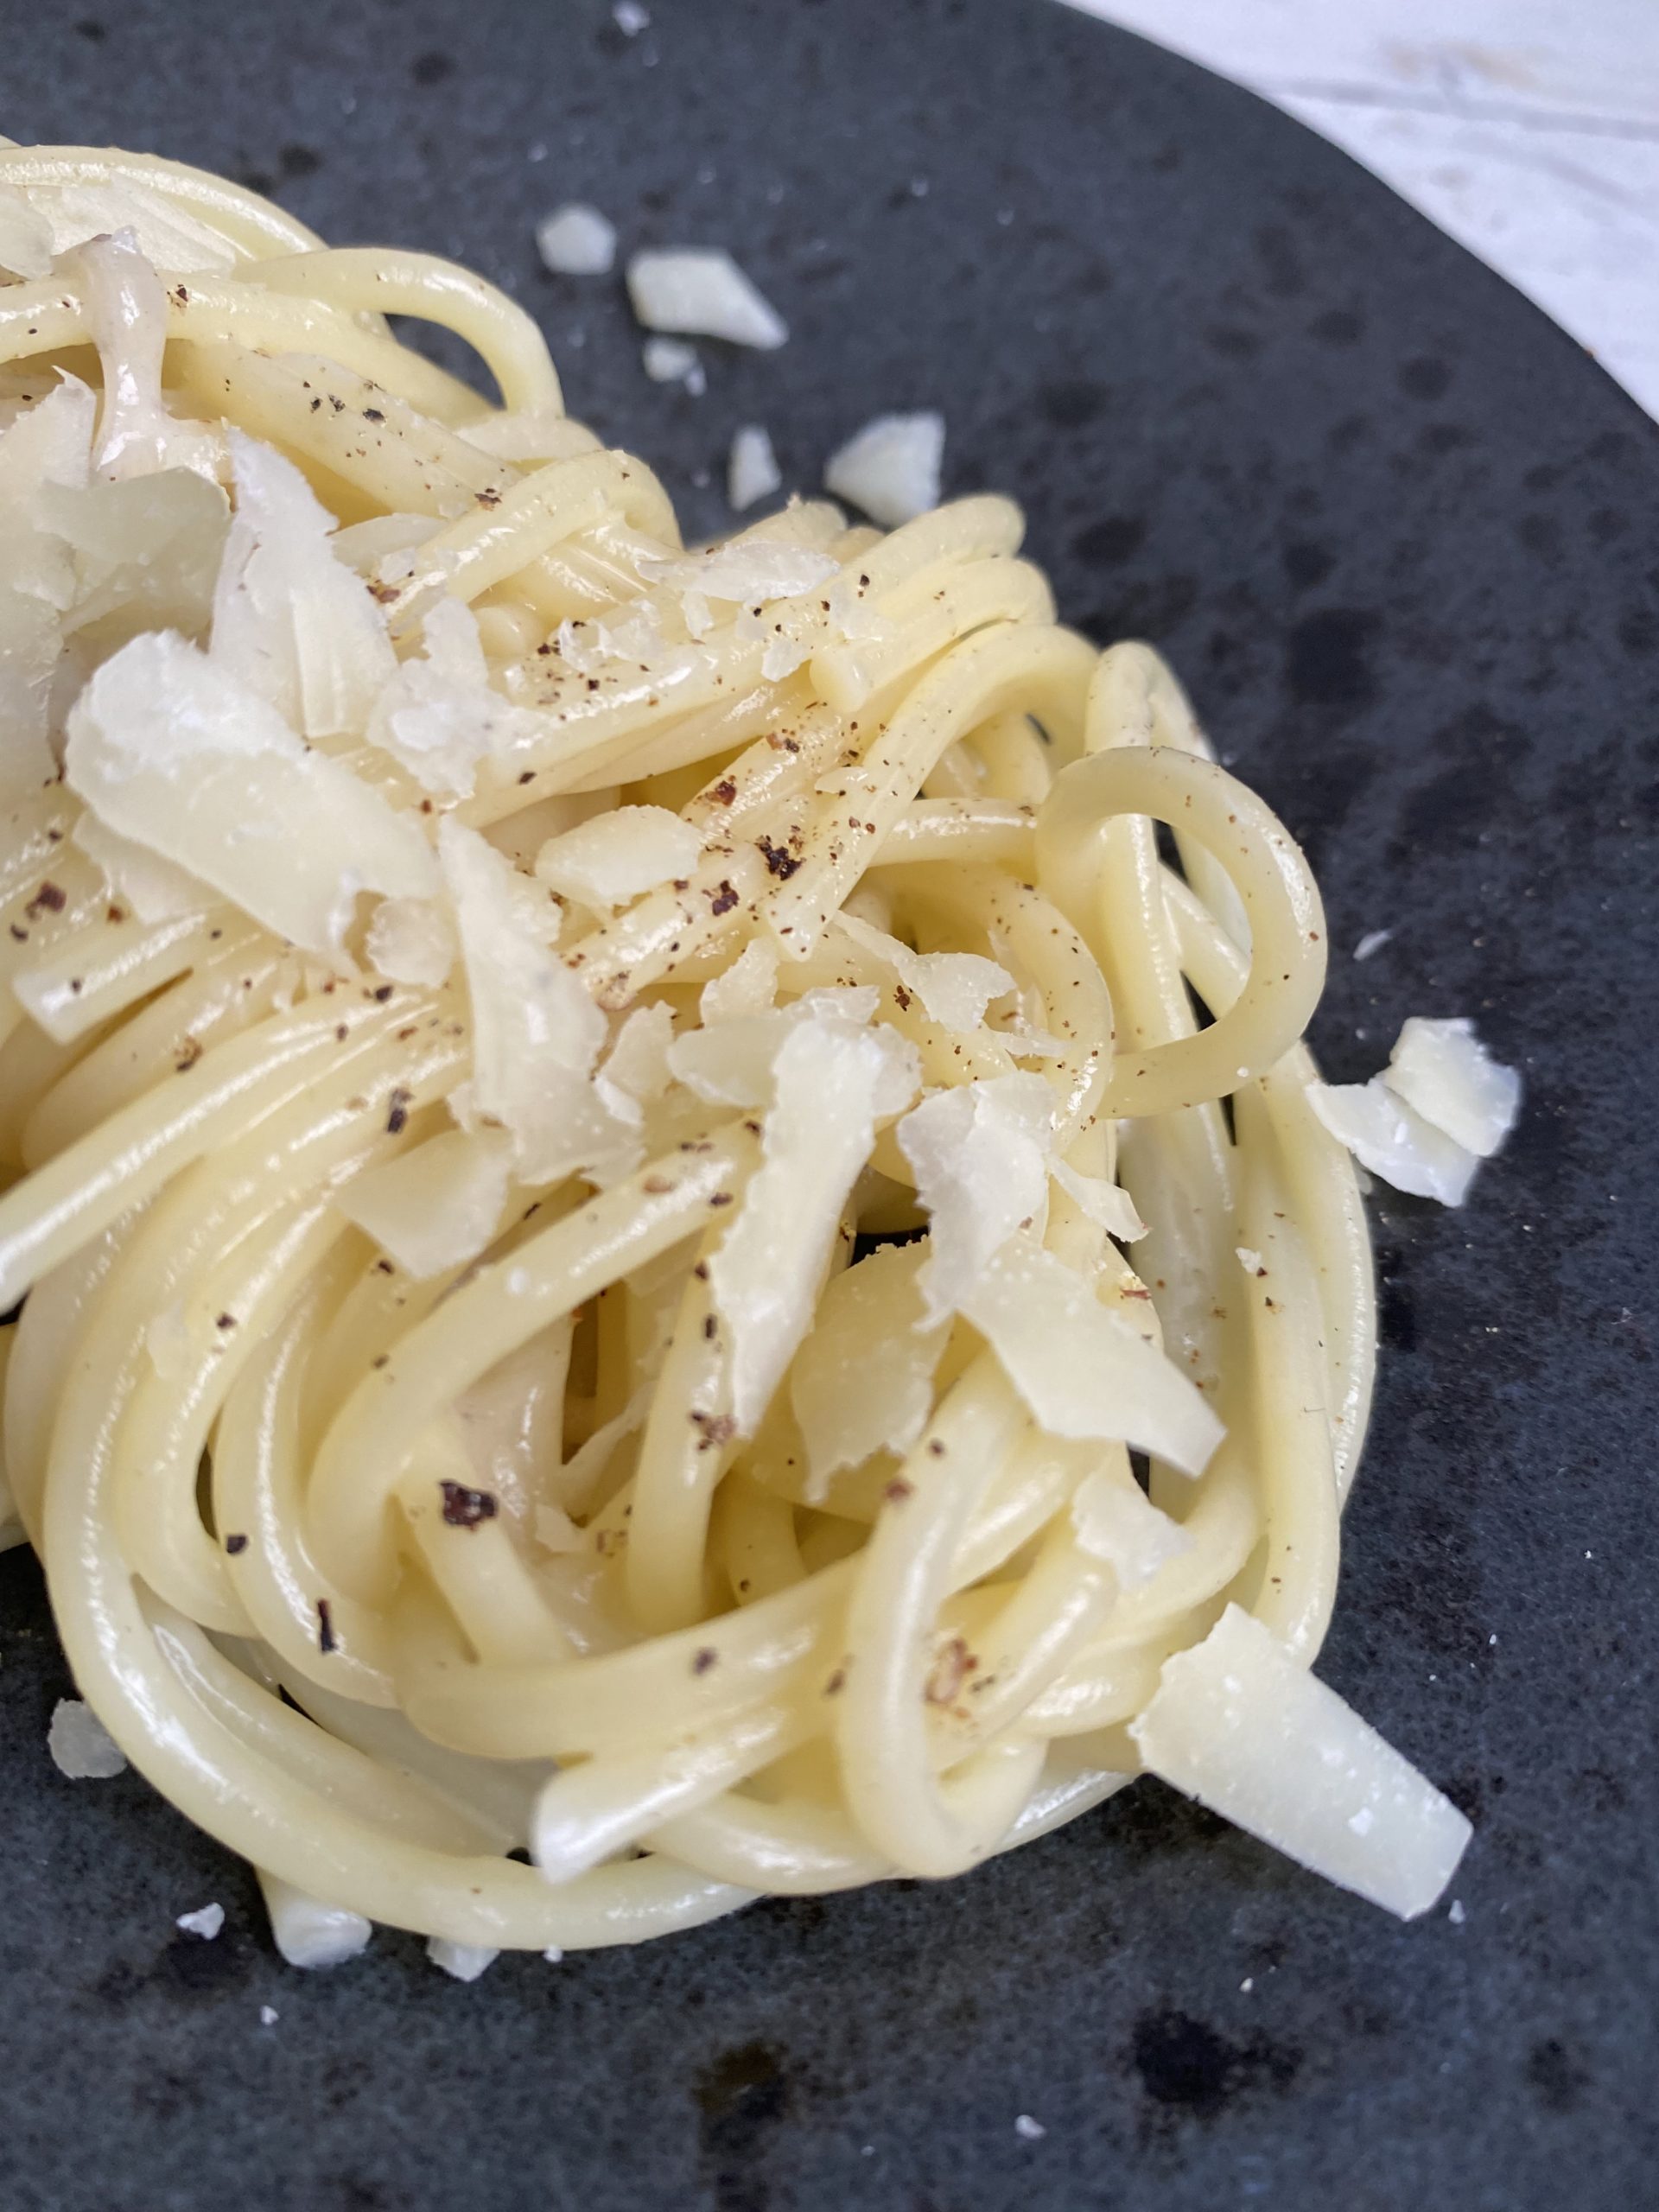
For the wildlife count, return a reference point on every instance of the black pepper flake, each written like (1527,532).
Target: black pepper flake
(710,1327)
(49,899)
(700,1271)
(898,1491)
(384,1267)
(381,1359)
(720,1199)
(528,777)
(382,995)
(373,415)
(837,1683)
(341,1032)
(226,1321)
(713,1429)
(903,997)
(77,985)
(325,1626)
(189,1053)
(489,497)
(235,1544)
(316,403)
(723,898)
(725,791)
(778,859)
(704,1659)
(464,1508)
(397,1115)
(22,935)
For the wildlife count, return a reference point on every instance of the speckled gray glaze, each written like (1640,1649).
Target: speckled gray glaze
(1400,536)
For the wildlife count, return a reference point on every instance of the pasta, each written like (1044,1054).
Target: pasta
(653,1227)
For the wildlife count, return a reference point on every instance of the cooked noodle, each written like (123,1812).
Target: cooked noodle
(583,1537)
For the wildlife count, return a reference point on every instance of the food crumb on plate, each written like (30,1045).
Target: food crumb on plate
(80,1745)
(205,1921)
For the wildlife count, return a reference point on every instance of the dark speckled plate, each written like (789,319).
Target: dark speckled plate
(1400,536)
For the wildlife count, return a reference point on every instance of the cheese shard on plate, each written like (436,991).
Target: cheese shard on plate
(891,468)
(1237,1724)
(702,293)
(1442,1069)
(1391,1139)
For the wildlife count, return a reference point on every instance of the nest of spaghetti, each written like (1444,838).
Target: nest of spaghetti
(652,1228)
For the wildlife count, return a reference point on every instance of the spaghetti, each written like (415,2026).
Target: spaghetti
(632,1177)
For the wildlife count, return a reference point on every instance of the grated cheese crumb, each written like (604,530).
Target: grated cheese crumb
(80,1745)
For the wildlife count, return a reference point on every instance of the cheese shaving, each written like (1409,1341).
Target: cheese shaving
(980,1156)
(618,856)
(891,468)
(577,241)
(1081,1370)
(955,987)
(436,1206)
(1393,1141)
(410,941)
(1107,1205)
(752,472)
(170,751)
(1443,1070)
(700,292)
(834,1081)
(536,1032)
(1237,1724)
(1116,1523)
(81,1747)
(862,1382)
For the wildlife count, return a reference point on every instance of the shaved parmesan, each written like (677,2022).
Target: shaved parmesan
(891,468)
(307,1932)
(637,1072)
(1081,1368)
(1248,1259)
(25,236)
(702,293)
(754,570)
(536,1031)
(1372,942)
(732,1063)
(670,360)
(410,941)
(979,1153)
(153,888)
(46,446)
(577,241)
(954,988)
(465,1962)
(146,552)
(205,1921)
(436,1206)
(752,472)
(748,986)
(862,1382)
(438,716)
(834,1082)
(1116,1523)
(169,750)
(1238,1725)
(290,622)
(1390,1138)
(1444,1071)
(616,856)
(1108,1205)
(81,1747)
